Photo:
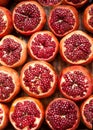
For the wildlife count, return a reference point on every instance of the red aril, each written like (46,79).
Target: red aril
(9,84)
(76,83)
(88,18)
(62,114)
(38,79)
(28,17)
(50,3)
(4,116)
(26,113)
(43,45)
(63,19)
(77,48)
(13,51)
(87,112)
(6,25)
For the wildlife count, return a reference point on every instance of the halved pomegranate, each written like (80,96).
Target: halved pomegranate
(62,114)
(4,2)
(87,112)
(63,19)
(13,51)
(38,79)
(26,113)
(76,83)
(76,3)
(50,2)
(43,45)
(9,84)
(77,48)
(88,18)
(4,116)
(28,17)
(6,25)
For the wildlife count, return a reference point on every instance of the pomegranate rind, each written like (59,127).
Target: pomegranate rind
(8,19)
(52,71)
(87,75)
(64,99)
(62,48)
(22,99)
(23,55)
(86,18)
(53,39)
(3,2)
(5,115)
(75,15)
(42,16)
(15,78)
(83,118)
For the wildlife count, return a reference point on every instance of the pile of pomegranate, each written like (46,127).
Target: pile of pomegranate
(46,54)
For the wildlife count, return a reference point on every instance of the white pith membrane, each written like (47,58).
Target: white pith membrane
(2,115)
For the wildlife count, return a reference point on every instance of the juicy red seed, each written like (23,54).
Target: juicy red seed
(88,111)
(25,114)
(75,84)
(62,20)
(27,17)
(76,1)
(38,78)
(91,17)
(1,117)
(10,51)
(49,2)
(2,22)
(62,115)
(43,46)
(77,47)
(6,86)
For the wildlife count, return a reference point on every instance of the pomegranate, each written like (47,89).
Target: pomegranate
(38,79)
(63,19)
(28,17)
(77,48)
(26,113)
(6,25)
(62,114)
(50,2)
(4,2)
(88,18)
(87,112)
(43,45)
(9,84)
(76,83)
(13,51)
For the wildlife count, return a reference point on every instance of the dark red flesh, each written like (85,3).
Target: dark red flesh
(77,47)
(1,117)
(6,86)
(62,20)
(75,1)
(62,115)
(25,114)
(43,46)
(27,17)
(2,22)
(10,51)
(38,77)
(49,2)
(91,17)
(88,112)
(74,84)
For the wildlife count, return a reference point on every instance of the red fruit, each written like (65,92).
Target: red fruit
(4,2)
(76,83)
(9,84)
(43,45)
(26,113)
(88,18)
(49,2)
(38,79)
(63,19)
(28,17)
(4,113)
(87,112)
(13,51)
(6,25)
(77,48)
(62,114)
